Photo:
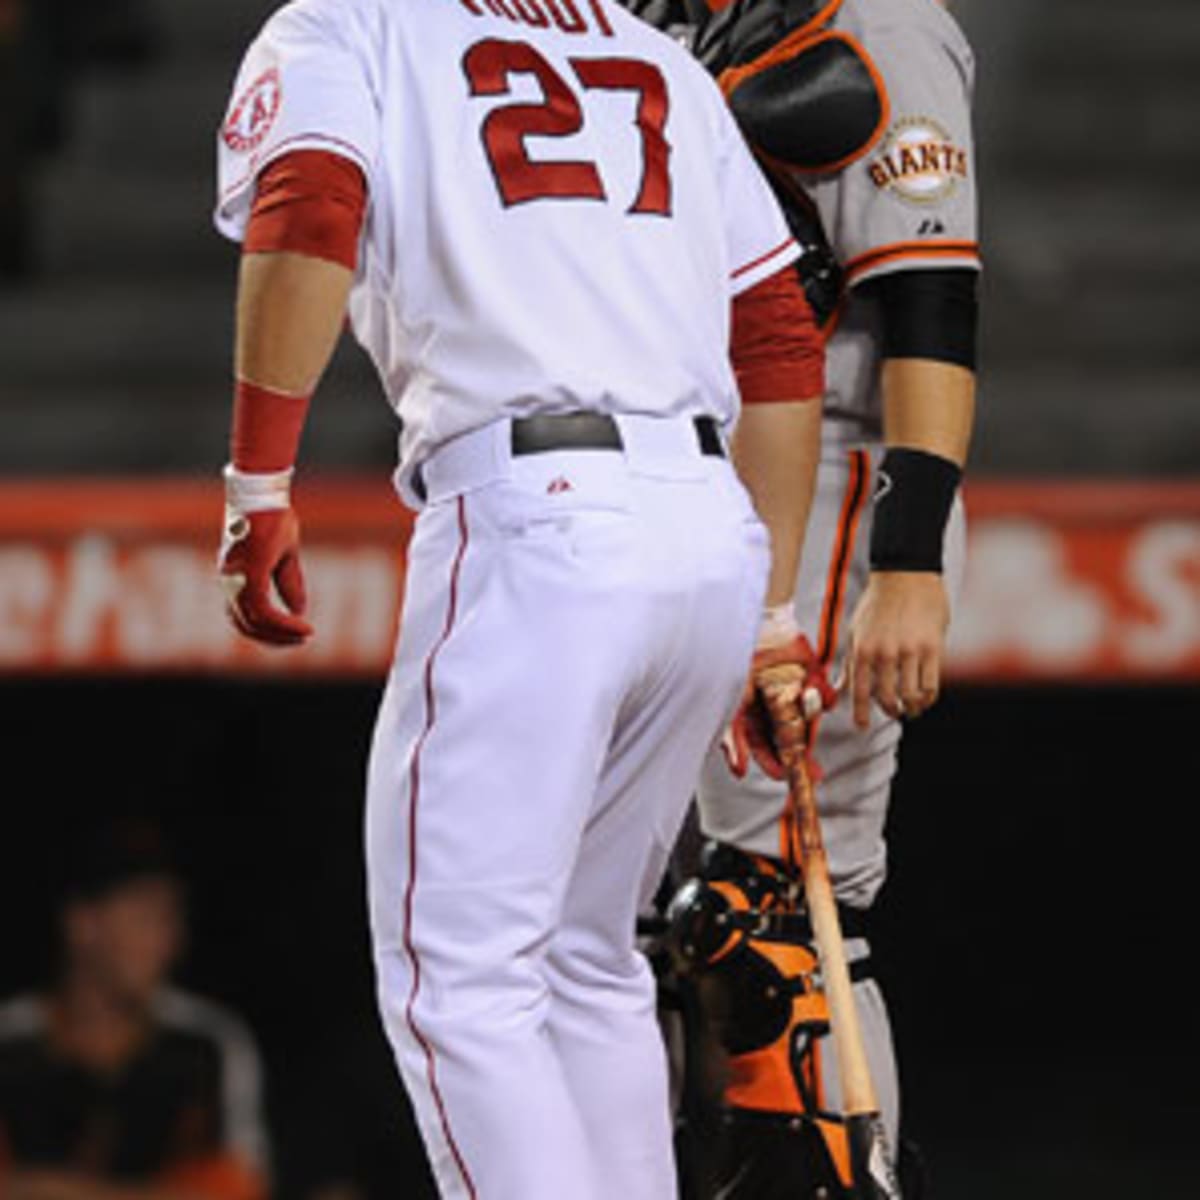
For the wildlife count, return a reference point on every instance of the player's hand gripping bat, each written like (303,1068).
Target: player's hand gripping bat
(871,1159)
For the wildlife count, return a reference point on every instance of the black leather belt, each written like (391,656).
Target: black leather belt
(593,431)
(583,431)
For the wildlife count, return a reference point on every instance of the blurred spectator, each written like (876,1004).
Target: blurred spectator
(114,1086)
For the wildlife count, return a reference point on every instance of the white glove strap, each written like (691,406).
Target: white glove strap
(779,626)
(247,493)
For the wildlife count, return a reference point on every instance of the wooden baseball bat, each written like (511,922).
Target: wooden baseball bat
(871,1162)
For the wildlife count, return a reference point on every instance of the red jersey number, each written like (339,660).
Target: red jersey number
(490,64)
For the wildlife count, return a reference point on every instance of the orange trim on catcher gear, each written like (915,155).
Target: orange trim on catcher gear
(765,1081)
(837,1140)
(901,251)
(739,902)
(799,41)
(821,17)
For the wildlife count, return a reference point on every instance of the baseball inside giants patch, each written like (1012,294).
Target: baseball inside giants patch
(919,162)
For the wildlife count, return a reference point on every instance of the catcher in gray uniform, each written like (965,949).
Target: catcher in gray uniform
(860,110)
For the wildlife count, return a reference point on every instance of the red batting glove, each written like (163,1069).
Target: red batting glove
(789,670)
(260,546)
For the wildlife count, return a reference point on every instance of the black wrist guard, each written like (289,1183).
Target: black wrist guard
(912,505)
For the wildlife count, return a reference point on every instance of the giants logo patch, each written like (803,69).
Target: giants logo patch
(254,113)
(918,162)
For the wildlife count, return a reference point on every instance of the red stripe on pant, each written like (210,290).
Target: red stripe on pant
(414,798)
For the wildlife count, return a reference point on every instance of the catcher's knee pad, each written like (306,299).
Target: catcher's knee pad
(740,931)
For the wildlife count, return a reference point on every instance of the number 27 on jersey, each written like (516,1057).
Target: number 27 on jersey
(489,66)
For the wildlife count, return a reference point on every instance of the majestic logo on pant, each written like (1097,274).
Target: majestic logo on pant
(918,162)
(559,485)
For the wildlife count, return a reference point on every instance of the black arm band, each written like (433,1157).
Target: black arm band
(912,505)
(928,313)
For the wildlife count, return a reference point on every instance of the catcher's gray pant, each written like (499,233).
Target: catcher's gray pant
(858,765)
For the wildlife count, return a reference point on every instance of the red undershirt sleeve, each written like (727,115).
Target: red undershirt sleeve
(309,202)
(778,351)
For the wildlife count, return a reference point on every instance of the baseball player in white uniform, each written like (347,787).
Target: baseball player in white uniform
(861,110)
(548,234)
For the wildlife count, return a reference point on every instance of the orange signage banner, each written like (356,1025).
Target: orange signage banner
(1065,582)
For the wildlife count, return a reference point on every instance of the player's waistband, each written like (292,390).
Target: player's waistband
(484,455)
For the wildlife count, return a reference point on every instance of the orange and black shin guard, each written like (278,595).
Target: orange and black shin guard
(739,931)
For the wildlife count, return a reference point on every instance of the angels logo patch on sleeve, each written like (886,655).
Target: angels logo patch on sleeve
(919,162)
(253,113)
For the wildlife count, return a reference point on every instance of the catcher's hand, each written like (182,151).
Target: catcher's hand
(786,689)
(258,550)
(897,643)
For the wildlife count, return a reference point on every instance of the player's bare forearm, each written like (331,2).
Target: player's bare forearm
(776,449)
(898,631)
(929,405)
(289,315)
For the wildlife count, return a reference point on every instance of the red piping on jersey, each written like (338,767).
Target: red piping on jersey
(414,797)
(762,258)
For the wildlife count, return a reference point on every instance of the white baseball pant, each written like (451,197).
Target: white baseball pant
(577,628)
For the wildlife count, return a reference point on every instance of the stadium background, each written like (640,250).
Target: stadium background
(1035,936)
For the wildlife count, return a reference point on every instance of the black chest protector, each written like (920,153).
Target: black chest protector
(738,33)
(808,99)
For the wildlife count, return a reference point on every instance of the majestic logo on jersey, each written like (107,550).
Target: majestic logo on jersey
(918,162)
(254,113)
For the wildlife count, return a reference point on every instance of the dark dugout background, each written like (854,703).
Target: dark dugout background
(1036,937)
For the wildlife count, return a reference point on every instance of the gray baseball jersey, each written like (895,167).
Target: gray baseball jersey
(909,201)
(906,202)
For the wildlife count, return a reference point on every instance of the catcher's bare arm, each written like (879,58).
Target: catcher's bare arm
(897,634)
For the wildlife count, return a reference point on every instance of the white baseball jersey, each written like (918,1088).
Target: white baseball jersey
(514,149)
(909,202)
